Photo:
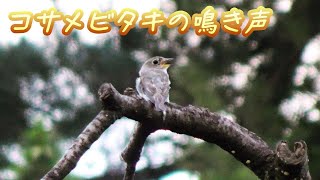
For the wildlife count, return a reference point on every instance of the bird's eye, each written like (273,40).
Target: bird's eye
(155,62)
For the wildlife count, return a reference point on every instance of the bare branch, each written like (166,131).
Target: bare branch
(131,154)
(244,145)
(83,142)
(292,165)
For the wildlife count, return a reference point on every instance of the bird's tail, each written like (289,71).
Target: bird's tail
(159,104)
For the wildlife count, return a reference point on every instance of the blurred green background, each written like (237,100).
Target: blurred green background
(268,82)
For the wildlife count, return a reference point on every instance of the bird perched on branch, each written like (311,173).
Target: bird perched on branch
(154,84)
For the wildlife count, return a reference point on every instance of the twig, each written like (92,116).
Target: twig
(292,165)
(83,142)
(131,154)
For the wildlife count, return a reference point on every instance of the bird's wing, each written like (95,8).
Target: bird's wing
(156,88)
(141,90)
(163,86)
(147,88)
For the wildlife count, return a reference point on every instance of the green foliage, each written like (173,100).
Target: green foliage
(16,63)
(39,152)
(196,83)
(213,163)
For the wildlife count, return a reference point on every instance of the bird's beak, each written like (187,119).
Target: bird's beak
(166,62)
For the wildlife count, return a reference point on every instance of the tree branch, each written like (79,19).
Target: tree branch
(144,174)
(131,154)
(292,165)
(83,142)
(244,145)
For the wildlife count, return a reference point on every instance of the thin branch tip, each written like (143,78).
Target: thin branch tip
(292,164)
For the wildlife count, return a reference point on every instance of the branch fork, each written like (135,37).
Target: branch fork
(244,145)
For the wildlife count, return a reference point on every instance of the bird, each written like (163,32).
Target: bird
(153,83)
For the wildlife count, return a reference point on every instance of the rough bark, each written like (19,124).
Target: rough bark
(131,154)
(244,145)
(83,142)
